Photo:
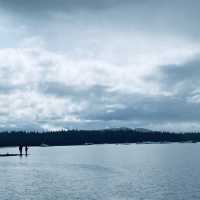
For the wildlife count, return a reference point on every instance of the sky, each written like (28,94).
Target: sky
(91,64)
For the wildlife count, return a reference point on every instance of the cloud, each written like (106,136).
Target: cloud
(179,79)
(99,64)
(167,16)
(49,89)
(181,73)
(61,5)
(155,109)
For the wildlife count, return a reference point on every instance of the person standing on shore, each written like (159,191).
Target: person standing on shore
(26,150)
(20,149)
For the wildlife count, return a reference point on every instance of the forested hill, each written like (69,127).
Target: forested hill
(80,137)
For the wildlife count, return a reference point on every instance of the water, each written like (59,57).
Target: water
(118,172)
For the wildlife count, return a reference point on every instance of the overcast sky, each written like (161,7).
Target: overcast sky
(99,63)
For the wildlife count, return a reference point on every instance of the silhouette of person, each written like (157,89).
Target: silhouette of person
(20,149)
(26,150)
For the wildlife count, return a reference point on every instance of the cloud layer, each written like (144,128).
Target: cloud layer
(97,64)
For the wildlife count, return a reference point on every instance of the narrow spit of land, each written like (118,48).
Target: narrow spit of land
(86,137)
(11,155)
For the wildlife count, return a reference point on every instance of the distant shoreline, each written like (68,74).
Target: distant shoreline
(89,137)
(187,142)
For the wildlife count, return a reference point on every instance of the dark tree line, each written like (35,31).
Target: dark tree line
(80,137)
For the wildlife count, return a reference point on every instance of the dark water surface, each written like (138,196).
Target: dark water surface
(137,171)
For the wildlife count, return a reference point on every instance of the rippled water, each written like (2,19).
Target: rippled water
(137,171)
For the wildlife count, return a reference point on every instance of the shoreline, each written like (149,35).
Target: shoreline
(91,144)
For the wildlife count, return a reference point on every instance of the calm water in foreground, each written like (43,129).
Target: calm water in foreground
(137,171)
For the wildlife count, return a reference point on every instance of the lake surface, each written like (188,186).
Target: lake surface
(118,172)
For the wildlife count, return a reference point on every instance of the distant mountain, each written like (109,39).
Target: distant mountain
(120,129)
(142,130)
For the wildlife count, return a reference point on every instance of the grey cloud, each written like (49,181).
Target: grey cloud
(59,89)
(151,109)
(74,22)
(61,5)
(184,72)
(145,14)
(8,88)
(182,78)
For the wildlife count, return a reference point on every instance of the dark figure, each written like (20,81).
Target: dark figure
(20,149)
(26,150)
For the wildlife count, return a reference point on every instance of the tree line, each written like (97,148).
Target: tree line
(81,137)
